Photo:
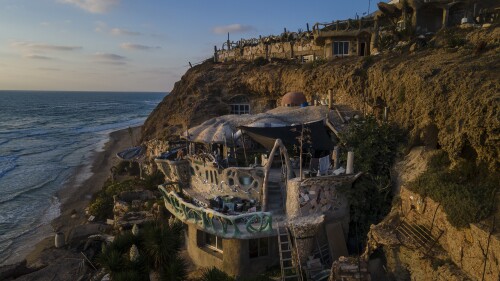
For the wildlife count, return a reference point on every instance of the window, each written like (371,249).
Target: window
(340,48)
(240,109)
(213,242)
(258,247)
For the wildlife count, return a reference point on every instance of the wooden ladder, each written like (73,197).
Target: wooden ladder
(288,270)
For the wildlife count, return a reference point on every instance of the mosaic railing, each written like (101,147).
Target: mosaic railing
(248,225)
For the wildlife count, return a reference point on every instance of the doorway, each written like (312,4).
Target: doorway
(362,49)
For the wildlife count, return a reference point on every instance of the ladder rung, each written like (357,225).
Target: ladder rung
(289,259)
(285,251)
(291,276)
(290,267)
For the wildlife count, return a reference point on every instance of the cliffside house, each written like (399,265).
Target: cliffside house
(345,38)
(432,15)
(244,206)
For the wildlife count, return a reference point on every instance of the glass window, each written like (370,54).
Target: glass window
(213,242)
(258,247)
(340,48)
(240,109)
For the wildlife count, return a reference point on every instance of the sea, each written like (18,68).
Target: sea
(44,138)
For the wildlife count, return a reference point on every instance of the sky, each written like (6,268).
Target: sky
(137,45)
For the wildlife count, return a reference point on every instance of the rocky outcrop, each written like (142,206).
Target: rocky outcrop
(443,97)
(451,254)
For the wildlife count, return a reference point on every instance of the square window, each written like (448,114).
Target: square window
(258,247)
(341,48)
(213,242)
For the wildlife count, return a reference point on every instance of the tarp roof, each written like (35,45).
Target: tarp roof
(221,129)
(314,136)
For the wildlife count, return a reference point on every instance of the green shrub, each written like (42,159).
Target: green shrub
(158,244)
(465,190)
(215,274)
(375,147)
(101,206)
(453,37)
(175,270)
(152,181)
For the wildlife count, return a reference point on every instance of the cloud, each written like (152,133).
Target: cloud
(108,58)
(102,27)
(233,28)
(136,47)
(93,6)
(111,57)
(43,47)
(120,31)
(37,57)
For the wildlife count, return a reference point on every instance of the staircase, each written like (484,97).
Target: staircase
(288,271)
(275,198)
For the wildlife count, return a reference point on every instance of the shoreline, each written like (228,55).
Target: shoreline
(74,198)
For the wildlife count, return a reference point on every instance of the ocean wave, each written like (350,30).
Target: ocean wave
(25,133)
(7,164)
(112,126)
(13,196)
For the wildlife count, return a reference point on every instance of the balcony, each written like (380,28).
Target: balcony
(241,226)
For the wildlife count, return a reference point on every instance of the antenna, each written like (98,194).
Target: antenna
(369,5)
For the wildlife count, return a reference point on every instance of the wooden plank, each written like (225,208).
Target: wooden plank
(336,240)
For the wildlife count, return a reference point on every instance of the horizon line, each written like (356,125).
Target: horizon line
(86,91)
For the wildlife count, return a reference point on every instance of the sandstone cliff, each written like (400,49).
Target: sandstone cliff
(445,97)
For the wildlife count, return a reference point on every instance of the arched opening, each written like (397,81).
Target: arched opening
(240,104)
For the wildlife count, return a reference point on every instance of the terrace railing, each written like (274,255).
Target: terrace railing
(248,225)
(343,25)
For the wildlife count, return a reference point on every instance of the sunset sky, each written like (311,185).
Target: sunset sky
(136,45)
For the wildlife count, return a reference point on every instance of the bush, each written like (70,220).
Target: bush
(465,190)
(453,38)
(158,244)
(152,181)
(375,147)
(101,206)
(215,274)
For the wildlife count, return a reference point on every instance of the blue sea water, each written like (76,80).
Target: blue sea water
(44,137)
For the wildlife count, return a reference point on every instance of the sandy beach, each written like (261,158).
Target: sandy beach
(74,197)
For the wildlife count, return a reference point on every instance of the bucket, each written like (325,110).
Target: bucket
(59,240)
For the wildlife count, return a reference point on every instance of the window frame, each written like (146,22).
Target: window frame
(262,250)
(218,242)
(337,44)
(240,108)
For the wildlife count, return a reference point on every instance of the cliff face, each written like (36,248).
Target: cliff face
(445,97)
(469,253)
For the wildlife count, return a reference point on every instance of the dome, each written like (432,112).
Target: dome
(293,99)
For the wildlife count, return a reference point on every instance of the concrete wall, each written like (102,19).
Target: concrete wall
(235,258)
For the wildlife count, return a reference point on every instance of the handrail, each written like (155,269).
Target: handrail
(227,226)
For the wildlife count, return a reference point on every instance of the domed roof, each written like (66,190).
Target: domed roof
(293,99)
